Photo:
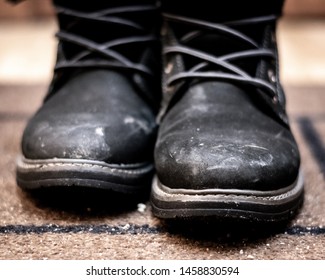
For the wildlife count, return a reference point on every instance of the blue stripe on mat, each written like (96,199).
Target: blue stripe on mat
(314,141)
(95,229)
(122,230)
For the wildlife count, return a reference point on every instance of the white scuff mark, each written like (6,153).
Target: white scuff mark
(99,131)
(195,171)
(201,108)
(143,125)
(218,147)
(279,134)
(238,148)
(41,142)
(171,155)
(201,144)
(225,163)
(264,161)
(182,151)
(128,120)
(255,147)
(200,93)
(234,162)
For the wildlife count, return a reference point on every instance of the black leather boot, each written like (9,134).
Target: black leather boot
(224,147)
(97,126)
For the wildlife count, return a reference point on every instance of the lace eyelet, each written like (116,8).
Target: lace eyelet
(169,68)
(275,100)
(271,76)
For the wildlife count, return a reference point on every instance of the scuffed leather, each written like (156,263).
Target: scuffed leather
(96,113)
(97,116)
(216,134)
(216,137)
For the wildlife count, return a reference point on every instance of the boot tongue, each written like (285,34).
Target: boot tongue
(222,10)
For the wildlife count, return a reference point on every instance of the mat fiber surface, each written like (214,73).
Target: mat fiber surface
(74,225)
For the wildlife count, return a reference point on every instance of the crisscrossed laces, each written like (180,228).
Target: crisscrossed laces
(109,57)
(224,68)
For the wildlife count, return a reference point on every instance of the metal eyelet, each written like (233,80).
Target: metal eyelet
(271,76)
(275,100)
(169,68)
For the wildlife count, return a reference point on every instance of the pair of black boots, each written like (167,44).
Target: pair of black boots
(224,147)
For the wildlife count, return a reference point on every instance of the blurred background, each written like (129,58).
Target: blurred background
(27,44)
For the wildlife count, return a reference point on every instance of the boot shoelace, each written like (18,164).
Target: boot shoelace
(110,57)
(234,73)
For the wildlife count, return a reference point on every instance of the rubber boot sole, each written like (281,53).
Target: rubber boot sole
(65,173)
(266,206)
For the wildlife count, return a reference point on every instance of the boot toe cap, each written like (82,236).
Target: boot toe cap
(128,140)
(256,164)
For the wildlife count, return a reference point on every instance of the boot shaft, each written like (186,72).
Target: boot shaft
(220,11)
(115,35)
(103,21)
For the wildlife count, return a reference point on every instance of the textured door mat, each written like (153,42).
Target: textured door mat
(71,225)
